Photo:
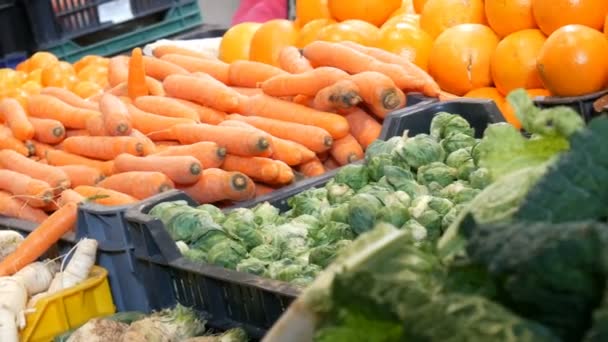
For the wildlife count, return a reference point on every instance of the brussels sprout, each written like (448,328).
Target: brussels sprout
(215,212)
(284,269)
(412,188)
(451,216)
(431,220)
(464,171)
(436,172)
(480,178)
(395,175)
(211,238)
(308,221)
(362,210)
(421,150)
(395,214)
(190,224)
(196,255)
(376,165)
(440,205)
(252,265)
(339,213)
(376,191)
(325,255)
(459,157)
(241,223)
(265,252)
(165,211)
(332,232)
(298,254)
(353,175)
(444,124)
(379,147)
(312,270)
(227,253)
(466,195)
(456,141)
(453,189)
(338,193)
(428,216)
(265,213)
(417,230)
(398,197)
(302,281)
(311,202)
(239,216)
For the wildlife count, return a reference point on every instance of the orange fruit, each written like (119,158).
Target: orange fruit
(503,105)
(573,61)
(412,19)
(538,92)
(309,10)
(31,87)
(347,30)
(606,26)
(94,73)
(60,74)
(270,38)
(19,95)
(508,16)
(407,40)
(460,58)
(407,7)
(9,78)
(419,5)
(35,75)
(309,32)
(553,14)
(23,66)
(236,42)
(41,60)
(372,11)
(513,62)
(86,89)
(90,59)
(439,15)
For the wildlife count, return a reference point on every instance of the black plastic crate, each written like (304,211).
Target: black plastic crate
(145,7)
(582,104)
(15,35)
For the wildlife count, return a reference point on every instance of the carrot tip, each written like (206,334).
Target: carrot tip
(328,141)
(139,147)
(352,157)
(239,182)
(390,99)
(195,168)
(58,131)
(263,144)
(122,128)
(221,152)
(165,187)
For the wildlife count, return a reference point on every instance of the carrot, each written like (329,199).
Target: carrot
(346,150)
(314,138)
(103,148)
(160,69)
(363,127)
(82,174)
(161,145)
(76,132)
(306,83)
(16,208)
(430,87)
(149,146)
(292,61)
(136,79)
(155,87)
(236,140)
(69,196)
(248,91)
(379,92)
(14,161)
(445,96)
(121,89)
(60,158)
(215,68)
(203,89)
(118,70)
(139,184)
(330,164)
(33,192)
(38,148)
(286,175)
(312,168)
(172,49)
(261,189)
(96,126)
(104,196)
(304,100)
(48,131)
(148,123)
(48,107)
(340,96)
(257,168)
(40,240)
(13,114)
(166,107)
(69,97)
(336,55)
(180,169)
(249,73)
(209,154)
(205,114)
(115,115)
(218,185)
(8,141)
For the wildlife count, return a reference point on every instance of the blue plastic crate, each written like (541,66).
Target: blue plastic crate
(11,60)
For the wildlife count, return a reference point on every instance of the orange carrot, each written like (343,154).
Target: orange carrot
(96,126)
(60,158)
(172,49)
(118,70)
(180,169)
(430,88)
(40,240)
(304,100)
(48,107)
(363,127)
(78,132)
(155,87)
(166,107)
(286,175)
(69,97)
(445,96)
(103,196)
(115,115)
(340,96)
(257,168)
(136,79)
(13,114)
(379,92)
(315,138)
(82,174)
(8,141)
(48,131)
(159,69)
(148,123)
(161,145)
(139,184)
(249,73)
(261,189)
(248,91)
(236,140)
(306,83)
(16,208)
(336,55)
(14,161)
(205,114)
(209,154)
(292,61)
(218,185)
(203,89)
(346,150)
(312,168)
(121,89)
(69,196)
(330,164)
(33,192)
(149,146)
(103,148)
(215,68)
(38,148)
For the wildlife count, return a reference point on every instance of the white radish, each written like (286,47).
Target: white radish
(8,328)
(35,298)
(182,246)
(78,268)
(13,297)
(9,240)
(37,276)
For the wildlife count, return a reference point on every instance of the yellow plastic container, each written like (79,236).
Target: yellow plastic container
(70,308)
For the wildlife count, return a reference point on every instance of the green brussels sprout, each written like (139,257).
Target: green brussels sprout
(353,175)
(464,171)
(297,253)
(444,124)
(164,211)
(362,210)
(241,223)
(379,147)
(265,252)
(265,213)
(190,224)
(338,193)
(196,255)
(465,196)
(302,281)
(440,205)
(227,253)
(451,216)
(459,157)
(310,202)
(395,214)
(332,232)
(453,189)
(412,188)
(311,270)
(431,220)
(339,213)
(397,197)
(211,238)
(456,141)
(436,172)
(284,269)
(417,230)
(325,255)
(427,210)
(215,212)
(395,175)
(252,265)
(376,191)
(480,178)
(421,150)
(376,165)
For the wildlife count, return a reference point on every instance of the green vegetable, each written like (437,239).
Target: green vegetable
(265,214)
(338,193)
(215,212)
(362,210)
(227,253)
(480,178)
(211,238)
(285,270)
(456,141)
(325,255)
(444,124)
(311,202)
(332,232)
(379,147)
(395,214)
(175,324)
(421,150)
(397,197)
(353,175)
(458,157)
(375,165)
(265,253)
(252,265)
(196,255)
(436,172)
(415,229)
(451,216)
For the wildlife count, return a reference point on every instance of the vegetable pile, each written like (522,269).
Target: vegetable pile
(419,184)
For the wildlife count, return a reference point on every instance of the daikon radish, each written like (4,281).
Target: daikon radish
(37,276)
(78,268)
(13,297)
(9,240)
